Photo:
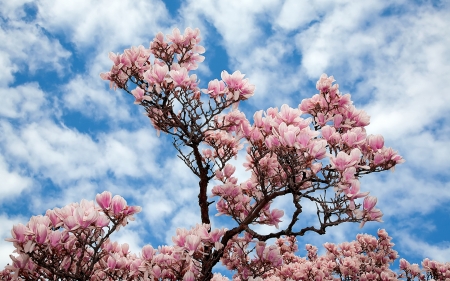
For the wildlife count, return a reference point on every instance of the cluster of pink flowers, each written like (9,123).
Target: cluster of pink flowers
(73,254)
(300,152)
(173,61)
(177,262)
(73,242)
(366,259)
(285,146)
(132,61)
(68,236)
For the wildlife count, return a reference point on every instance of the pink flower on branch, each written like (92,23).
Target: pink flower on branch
(238,88)
(343,160)
(104,200)
(180,77)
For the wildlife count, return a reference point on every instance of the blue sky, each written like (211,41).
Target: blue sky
(65,136)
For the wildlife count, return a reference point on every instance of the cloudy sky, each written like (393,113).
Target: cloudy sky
(65,136)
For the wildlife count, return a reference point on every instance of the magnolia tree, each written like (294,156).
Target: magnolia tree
(314,153)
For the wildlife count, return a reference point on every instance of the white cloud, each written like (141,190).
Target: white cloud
(343,36)
(25,47)
(13,182)
(406,192)
(237,21)
(427,152)
(295,14)
(170,197)
(65,155)
(88,96)
(129,236)
(103,23)
(158,205)
(14,9)
(23,101)
(411,244)
(275,77)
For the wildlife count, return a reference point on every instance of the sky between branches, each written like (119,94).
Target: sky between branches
(65,136)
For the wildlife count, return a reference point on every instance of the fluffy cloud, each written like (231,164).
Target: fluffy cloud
(25,47)
(437,252)
(65,155)
(24,101)
(13,182)
(93,24)
(236,21)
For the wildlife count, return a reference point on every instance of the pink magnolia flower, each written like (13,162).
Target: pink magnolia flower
(257,117)
(235,80)
(54,238)
(289,115)
(272,142)
(337,120)
(260,246)
(369,203)
(102,221)
(85,216)
(343,160)
(189,276)
(229,170)
(317,149)
(156,271)
(353,193)
(18,233)
(119,60)
(192,243)
(139,95)
(176,36)
(71,223)
(118,204)
(53,216)
(180,77)
(180,238)
(404,264)
(238,87)
(216,234)
(327,132)
(275,217)
(324,82)
(157,74)
(131,210)
(316,167)
(375,142)
(104,200)
(215,89)
(148,252)
(112,261)
(272,254)
(349,174)
(41,233)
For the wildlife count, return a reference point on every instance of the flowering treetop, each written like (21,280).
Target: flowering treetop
(315,153)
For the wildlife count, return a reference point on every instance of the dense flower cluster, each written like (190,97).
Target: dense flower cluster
(365,259)
(321,146)
(71,239)
(289,152)
(72,242)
